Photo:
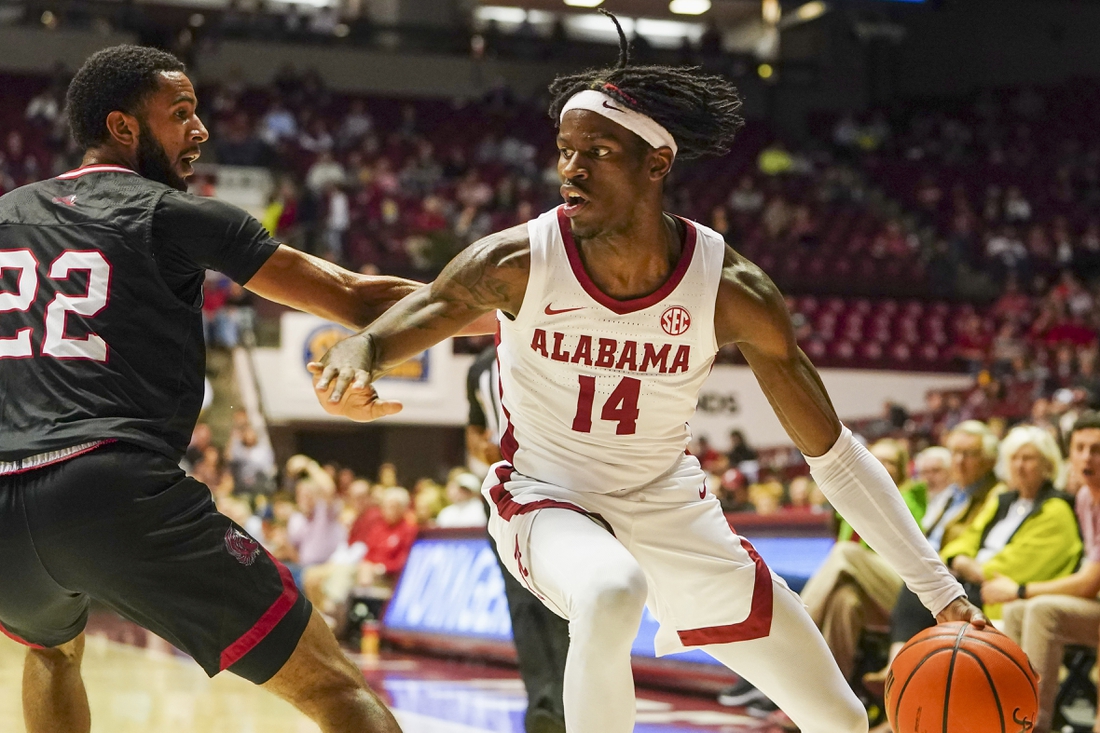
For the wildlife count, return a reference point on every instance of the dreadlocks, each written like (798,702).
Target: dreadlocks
(699,110)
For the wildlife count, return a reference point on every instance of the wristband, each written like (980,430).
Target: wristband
(1021,590)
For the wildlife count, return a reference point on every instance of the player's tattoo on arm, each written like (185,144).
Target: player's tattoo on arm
(752,314)
(490,275)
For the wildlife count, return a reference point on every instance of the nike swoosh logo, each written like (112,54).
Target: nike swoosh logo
(554,312)
(611,106)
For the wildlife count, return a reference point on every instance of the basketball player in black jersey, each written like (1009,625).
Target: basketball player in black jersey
(101,376)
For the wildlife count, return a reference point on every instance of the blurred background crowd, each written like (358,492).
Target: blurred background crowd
(959,233)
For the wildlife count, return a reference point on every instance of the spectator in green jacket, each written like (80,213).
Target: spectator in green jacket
(1054,613)
(1027,533)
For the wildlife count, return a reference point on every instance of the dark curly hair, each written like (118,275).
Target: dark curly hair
(699,110)
(116,78)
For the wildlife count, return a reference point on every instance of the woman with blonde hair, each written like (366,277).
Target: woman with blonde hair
(1028,532)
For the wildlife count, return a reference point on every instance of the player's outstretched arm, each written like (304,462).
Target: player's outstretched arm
(489,275)
(751,313)
(317,286)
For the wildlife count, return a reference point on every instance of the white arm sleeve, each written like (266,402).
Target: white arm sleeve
(859,487)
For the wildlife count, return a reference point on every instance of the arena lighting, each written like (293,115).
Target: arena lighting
(584,3)
(811,10)
(501,14)
(689,7)
(771,12)
(660,32)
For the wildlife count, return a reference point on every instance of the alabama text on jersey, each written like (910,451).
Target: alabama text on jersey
(597,392)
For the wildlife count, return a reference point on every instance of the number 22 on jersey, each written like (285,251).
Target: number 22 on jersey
(21,299)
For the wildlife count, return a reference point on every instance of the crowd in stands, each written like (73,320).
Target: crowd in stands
(965,237)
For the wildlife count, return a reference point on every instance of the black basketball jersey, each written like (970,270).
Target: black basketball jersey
(101,333)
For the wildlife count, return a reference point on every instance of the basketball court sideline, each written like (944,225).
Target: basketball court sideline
(138,688)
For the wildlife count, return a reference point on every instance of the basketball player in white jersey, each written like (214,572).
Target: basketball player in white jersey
(611,312)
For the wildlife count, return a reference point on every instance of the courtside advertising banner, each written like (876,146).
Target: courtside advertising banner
(452,587)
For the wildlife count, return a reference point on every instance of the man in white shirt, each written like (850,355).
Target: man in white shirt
(466,508)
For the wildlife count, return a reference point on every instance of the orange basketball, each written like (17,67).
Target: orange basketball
(953,678)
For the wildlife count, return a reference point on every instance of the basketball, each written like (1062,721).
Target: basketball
(954,678)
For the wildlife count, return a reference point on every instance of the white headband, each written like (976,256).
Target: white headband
(641,125)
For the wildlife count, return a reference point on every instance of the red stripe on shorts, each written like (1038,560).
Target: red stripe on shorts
(271,618)
(13,637)
(508,507)
(759,623)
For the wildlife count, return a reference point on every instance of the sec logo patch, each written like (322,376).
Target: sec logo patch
(675,320)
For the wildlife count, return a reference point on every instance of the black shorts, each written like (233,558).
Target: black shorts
(125,526)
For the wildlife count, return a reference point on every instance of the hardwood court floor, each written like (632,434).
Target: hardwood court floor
(137,688)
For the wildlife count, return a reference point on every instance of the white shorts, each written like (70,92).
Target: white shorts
(706,584)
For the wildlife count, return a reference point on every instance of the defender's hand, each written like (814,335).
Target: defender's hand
(962,609)
(358,400)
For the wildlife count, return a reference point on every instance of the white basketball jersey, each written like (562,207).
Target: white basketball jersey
(597,392)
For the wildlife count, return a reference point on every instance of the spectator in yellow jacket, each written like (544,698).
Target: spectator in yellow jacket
(1028,532)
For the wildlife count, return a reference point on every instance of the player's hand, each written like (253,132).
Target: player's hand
(962,609)
(1000,589)
(358,400)
(348,362)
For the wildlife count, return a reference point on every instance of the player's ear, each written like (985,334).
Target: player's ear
(660,163)
(123,128)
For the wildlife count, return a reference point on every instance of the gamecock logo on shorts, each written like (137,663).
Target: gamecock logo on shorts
(241,546)
(676,320)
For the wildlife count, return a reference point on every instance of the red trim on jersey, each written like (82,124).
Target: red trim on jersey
(271,618)
(508,443)
(759,623)
(78,172)
(62,459)
(15,638)
(623,307)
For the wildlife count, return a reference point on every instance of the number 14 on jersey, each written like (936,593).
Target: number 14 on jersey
(621,406)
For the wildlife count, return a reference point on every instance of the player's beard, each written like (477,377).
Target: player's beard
(153,162)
